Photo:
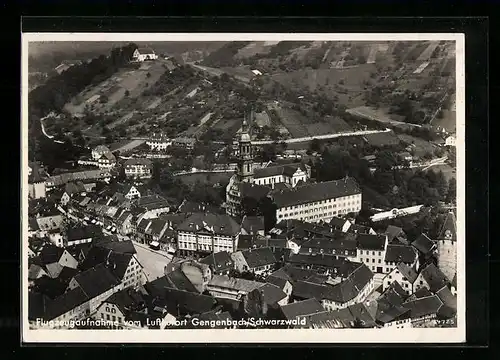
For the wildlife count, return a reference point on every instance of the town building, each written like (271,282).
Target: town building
(222,286)
(404,275)
(159,142)
(290,174)
(36,181)
(143,54)
(139,168)
(372,251)
(396,254)
(319,201)
(99,151)
(259,261)
(204,233)
(184,142)
(450,141)
(220,262)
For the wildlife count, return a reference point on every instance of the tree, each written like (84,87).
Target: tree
(127,93)
(268,152)
(315,145)
(442,185)
(451,196)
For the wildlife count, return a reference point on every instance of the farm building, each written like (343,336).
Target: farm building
(143,54)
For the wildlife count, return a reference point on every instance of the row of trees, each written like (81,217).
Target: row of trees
(386,187)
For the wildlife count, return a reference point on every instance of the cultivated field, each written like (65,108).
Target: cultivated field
(254,48)
(135,81)
(420,146)
(126,145)
(293,121)
(380,115)
(425,55)
(262,119)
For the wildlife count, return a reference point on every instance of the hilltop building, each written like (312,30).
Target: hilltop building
(143,54)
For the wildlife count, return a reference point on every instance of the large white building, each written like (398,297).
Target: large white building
(319,201)
(204,233)
(138,168)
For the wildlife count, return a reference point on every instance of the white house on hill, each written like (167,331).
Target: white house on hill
(142,54)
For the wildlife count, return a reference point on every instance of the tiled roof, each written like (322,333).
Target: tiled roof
(321,260)
(360,312)
(272,293)
(220,261)
(258,257)
(96,281)
(447,297)
(400,253)
(254,191)
(52,288)
(359,229)
(393,231)
(424,306)
(50,254)
(126,300)
(62,179)
(302,308)
(83,232)
(64,303)
(448,230)
(178,280)
(394,295)
(234,283)
(116,262)
(338,319)
(408,272)
(187,302)
(145,51)
(329,245)
(286,170)
(434,277)
(338,223)
(387,313)
(420,293)
(371,242)
(278,281)
(352,286)
(123,247)
(423,244)
(220,223)
(316,192)
(139,161)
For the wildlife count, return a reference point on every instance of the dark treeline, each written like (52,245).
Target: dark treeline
(59,89)
(385,187)
(224,56)
(56,92)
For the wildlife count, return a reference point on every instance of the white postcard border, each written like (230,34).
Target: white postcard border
(371,336)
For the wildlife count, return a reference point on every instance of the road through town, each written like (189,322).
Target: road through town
(153,262)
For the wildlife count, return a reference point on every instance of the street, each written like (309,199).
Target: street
(152,261)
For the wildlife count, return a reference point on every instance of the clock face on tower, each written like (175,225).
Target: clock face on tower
(447,234)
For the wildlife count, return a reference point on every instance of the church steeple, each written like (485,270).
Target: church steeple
(245,160)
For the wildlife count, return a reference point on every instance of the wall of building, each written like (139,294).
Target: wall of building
(447,257)
(321,210)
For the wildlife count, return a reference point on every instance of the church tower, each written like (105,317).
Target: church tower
(447,247)
(245,160)
(244,173)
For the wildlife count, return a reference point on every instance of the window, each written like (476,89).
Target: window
(373,252)
(379,261)
(107,308)
(113,310)
(107,316)
(102,316)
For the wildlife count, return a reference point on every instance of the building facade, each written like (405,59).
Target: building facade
(319,201)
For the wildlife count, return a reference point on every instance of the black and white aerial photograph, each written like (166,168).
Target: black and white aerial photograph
(239,186)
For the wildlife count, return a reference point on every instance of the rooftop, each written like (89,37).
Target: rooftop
(258,257)
(302,308)
(371,242)
(227,282)
(212,223)
(396,253)
(316,192)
